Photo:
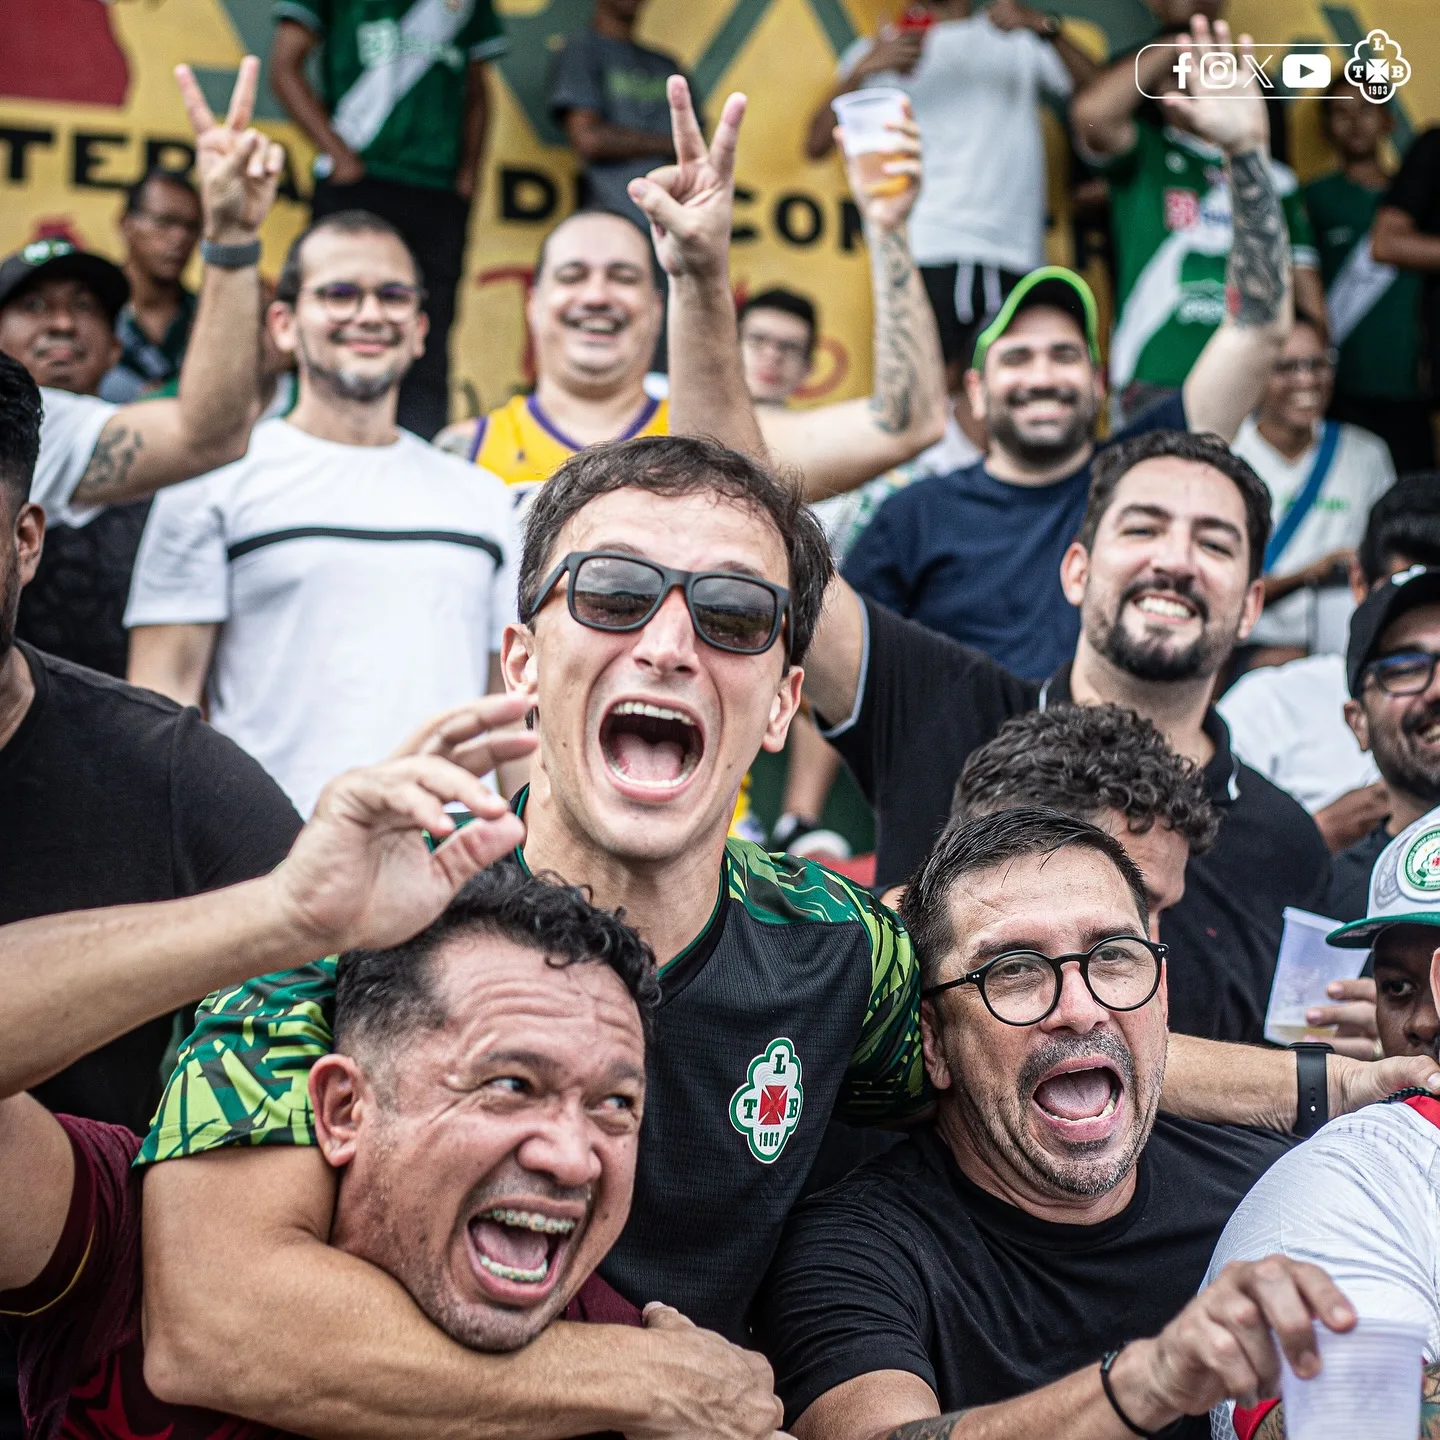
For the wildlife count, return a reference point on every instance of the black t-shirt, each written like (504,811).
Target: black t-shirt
(111,795)
(1348,895)
(1416,190)
(927,702)
(907,1265)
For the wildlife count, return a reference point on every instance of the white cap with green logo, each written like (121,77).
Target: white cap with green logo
(1404,885)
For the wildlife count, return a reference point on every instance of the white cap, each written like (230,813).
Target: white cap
(1404,885)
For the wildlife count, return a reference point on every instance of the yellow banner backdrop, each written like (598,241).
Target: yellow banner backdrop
(87,102)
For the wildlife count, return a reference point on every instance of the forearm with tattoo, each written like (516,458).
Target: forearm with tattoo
(942,1427)
(1257,278)
(1273,1426)
(898,358)
(108,474)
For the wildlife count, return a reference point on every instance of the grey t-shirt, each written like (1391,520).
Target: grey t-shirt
(625,84)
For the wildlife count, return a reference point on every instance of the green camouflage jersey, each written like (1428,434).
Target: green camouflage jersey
(1171,221)
(1374,309)
(799,1001)
(394,76)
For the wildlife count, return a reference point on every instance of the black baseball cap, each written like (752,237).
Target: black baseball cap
(1052,285)
(59,259)
(1385,604)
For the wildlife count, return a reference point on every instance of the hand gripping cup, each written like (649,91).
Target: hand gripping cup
(1368,1385)
(864,116)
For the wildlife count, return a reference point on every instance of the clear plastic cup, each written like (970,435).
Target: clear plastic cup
(864,117)
(1368,1385)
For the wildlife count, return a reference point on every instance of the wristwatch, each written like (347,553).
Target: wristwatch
(1312,1086)
(230,257)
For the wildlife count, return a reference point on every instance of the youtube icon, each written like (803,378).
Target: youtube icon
(1306,72)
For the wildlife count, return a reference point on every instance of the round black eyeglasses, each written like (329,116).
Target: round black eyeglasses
(739,613)
(1022,987)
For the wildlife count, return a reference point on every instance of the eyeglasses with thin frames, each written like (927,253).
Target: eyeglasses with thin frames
(742,614)
(1406,672)
(343,300)
(1022,987)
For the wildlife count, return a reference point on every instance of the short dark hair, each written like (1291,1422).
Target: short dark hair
(683,465)
(1084,760)
(610,214)
(1114,462)
(1404,524)
(968,846)
(20,416)
(345,222)
(382,996)
(135,194)
(788,301)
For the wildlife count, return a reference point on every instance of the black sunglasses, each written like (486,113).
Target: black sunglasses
(1022,987)
(607,591)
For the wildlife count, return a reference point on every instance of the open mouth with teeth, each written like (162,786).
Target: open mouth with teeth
(1084,1100)
(650,746)
(1168,608)
(605,324)
(519,1251)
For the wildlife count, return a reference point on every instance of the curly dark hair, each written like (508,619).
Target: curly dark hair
(381,996)
(682,465)
(1084,760)
(1114,462)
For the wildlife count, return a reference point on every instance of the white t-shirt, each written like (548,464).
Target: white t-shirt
(1361,1200)
(974,93)
(70,426)
(1360,474)
(359,589)
(1288,722)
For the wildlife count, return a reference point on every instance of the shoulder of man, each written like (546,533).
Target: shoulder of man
(242,1077)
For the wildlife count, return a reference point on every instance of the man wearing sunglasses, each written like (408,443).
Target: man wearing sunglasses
(1050,1218)
(1394,711)
(344,579)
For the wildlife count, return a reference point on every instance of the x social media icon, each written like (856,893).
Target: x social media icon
(1306,72)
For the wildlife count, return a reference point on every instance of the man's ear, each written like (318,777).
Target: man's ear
(1075,572)
(936,1065)
(782,709)
(422,329)
(1359,585)
(518,661)
(974,392)
(1435,978)
(280,318)
(1359,722)
(340,1095)
(1254,604)
(29,541)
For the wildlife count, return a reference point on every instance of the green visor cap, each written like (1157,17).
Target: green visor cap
(1049,285)
(1404,886)
(1360,934)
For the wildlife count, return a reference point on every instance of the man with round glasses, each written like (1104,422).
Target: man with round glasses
(1051,1217)
(344,580)
(1394,711)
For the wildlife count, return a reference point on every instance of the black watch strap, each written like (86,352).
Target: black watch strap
(1109,1390)
(1312,1086)
(230,257)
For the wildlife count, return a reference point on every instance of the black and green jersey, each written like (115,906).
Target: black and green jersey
(1374,309)
(799,1001)
(394,77)
(1171,218)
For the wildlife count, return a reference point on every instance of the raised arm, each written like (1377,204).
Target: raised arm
(289,50)
(836,657)
(160,442)
(837,447)
(689,205)
(1228,379)
(893,49)
(1102,115)
(1226,1084)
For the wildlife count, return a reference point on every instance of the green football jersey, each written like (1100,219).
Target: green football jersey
(1374,309)
(1171,221)
(395,77)
(798,1002)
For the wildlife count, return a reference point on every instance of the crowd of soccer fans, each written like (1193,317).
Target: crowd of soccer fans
(408,1024)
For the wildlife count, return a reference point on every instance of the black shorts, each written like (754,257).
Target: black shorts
(965,298)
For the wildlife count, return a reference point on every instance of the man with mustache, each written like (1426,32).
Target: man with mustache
(1012,1261)
(976,554)
(344,580)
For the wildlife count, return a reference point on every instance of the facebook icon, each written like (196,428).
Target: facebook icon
(1182,68)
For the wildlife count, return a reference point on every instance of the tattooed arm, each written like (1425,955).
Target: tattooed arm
(1230,374)
(159,442)
(1272,1427)
(837,447)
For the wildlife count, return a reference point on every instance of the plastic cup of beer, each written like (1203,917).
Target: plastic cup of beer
(1369,1384)
(865,117)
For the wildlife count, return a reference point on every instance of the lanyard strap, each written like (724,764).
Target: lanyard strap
(1302,504)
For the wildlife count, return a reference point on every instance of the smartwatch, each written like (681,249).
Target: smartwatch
(1312,1086)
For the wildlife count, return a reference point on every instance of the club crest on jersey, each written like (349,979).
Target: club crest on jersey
(766,1108)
